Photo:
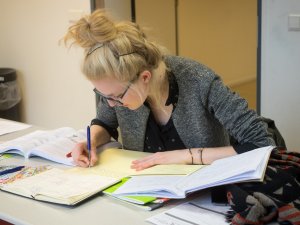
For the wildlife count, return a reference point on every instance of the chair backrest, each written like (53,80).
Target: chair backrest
(276,135)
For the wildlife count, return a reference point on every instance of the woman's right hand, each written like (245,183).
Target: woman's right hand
(81,157)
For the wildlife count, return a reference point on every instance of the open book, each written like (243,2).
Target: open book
(52,144)
(59,186)
(249,166)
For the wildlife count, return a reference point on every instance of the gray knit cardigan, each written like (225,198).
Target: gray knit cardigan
(206,114)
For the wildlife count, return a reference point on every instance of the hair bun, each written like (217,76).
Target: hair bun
(92,29)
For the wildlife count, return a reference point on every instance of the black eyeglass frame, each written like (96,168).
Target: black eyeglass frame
(117,100)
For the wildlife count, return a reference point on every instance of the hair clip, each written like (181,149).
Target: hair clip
(94,48)
(126,54)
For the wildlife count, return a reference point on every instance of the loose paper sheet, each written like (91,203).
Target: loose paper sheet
(8,126)
(196,212)
(116,163)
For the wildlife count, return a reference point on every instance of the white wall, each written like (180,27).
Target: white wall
(280,74)
(55,93)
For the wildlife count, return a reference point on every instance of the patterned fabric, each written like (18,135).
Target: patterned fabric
(277,198)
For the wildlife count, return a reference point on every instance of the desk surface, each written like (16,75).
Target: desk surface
(98,210)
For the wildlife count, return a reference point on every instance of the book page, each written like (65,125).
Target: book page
(22,144)
(57,149)
(53,144)
(151,186)
(26,172)
(241,167)
(59,185)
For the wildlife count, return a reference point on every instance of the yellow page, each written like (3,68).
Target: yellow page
(116,163)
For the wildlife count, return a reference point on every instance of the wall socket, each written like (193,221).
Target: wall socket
(294,22)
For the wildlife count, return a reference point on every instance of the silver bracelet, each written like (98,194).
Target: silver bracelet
(200,150)
(191,156)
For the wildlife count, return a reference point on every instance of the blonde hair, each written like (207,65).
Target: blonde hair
(117,49)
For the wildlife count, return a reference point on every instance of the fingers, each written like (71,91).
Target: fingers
(148,161)
(159,158)
(143,165)
(82,161)
(79,155)
(94,157)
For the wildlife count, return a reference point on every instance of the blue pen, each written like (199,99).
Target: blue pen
(88,132)
(11,170)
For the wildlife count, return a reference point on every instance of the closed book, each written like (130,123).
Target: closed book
(144,202)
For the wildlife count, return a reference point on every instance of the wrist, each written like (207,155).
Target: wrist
(192,156)
(189,157)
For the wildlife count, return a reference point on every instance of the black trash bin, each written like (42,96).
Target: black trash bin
(10,95)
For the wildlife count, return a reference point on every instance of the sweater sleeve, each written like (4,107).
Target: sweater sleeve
(244,147)
(113,132)
(243,124)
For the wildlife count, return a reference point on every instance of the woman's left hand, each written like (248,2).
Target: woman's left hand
(158,158)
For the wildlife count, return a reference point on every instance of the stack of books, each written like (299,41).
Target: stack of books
(144,202)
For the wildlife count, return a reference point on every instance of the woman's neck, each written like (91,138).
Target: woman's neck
(160,111)
(164,92)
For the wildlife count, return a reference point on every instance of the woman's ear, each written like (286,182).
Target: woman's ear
(145,76)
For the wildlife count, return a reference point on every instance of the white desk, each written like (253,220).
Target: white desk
(99,210)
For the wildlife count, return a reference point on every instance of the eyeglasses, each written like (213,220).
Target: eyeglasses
(116,100)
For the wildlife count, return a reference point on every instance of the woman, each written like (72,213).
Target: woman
(180,110)
(173,106)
